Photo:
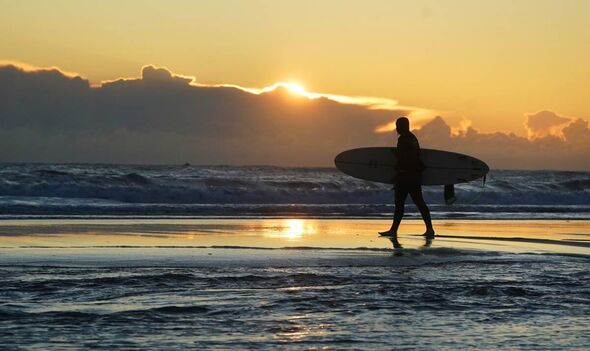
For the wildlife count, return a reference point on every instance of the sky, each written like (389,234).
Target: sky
(514,69)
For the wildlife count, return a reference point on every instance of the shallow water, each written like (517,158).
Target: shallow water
(61,290)
(457,299)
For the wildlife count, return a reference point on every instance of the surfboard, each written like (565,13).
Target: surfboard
(377,164)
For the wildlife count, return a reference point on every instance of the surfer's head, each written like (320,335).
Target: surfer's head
(402,125)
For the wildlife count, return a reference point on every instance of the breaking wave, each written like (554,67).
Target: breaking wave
(113,190)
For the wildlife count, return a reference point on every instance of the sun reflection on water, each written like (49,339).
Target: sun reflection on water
(298,327)
(291,229)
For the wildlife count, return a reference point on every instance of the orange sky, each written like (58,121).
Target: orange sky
(486,62)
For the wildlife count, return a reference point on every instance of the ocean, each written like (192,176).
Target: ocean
(222,257)
(105,191)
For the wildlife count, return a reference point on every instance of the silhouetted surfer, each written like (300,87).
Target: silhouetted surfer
(409,178)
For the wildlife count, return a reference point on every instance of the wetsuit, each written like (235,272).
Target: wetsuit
(409,176)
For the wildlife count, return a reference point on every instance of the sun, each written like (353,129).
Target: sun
(290,87)
(295,88)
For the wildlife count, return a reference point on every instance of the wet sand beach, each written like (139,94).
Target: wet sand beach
(292,284)
(20,236)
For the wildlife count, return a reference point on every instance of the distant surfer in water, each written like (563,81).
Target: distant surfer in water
(408,178)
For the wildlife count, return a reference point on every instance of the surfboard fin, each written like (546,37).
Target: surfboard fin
(450,194)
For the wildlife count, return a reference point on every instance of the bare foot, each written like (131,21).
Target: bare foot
(388,233)
(429,233)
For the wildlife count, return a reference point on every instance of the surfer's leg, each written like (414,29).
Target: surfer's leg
(416,194)
(401,192)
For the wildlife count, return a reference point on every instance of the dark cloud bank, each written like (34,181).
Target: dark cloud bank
(48,116)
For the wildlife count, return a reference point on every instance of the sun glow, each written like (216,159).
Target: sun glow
(373,103)
(290,229)
(294,88)
(370,102)
(295,228)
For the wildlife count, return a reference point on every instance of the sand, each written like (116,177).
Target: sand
(53,240)
(293,284)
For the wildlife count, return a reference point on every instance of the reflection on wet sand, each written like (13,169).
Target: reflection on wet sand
(397,245)
(292,229)
(530,235)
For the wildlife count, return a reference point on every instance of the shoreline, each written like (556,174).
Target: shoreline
(294,283)
(247,217)
(559,236)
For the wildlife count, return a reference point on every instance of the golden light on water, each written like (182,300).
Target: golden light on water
(295,228)
(297,327)
(291,229)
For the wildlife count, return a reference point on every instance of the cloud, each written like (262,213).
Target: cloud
(48,115)
(577,133)
(156,75)
(34,69)
(544,123)
(510,151)
(161,117)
